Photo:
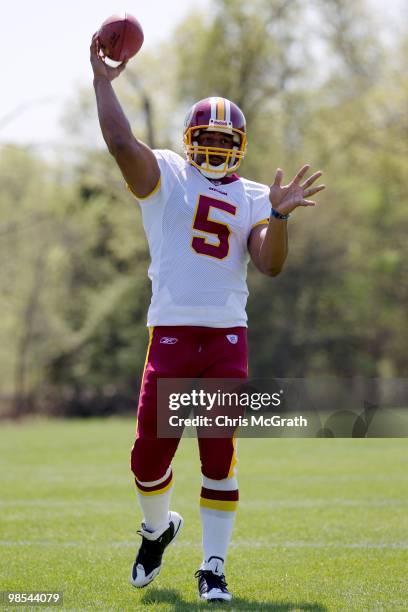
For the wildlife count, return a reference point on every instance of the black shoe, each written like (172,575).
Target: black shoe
(211,580)
(149,558)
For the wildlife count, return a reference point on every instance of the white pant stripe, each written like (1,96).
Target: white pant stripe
(227,484)
(153,483)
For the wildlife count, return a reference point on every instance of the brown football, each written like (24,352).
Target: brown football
(120,38)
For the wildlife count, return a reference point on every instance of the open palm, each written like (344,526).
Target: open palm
(286,198)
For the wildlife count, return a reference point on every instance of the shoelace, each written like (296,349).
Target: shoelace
(214,580)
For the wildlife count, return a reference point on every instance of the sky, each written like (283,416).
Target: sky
(44,46)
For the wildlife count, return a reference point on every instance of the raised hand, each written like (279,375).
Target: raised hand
(286,198)
(98,65)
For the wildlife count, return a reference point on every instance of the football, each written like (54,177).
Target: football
(120,38)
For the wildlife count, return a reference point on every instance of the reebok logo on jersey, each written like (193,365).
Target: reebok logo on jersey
(232,338)
(167,340)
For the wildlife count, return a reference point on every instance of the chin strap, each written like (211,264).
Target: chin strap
(209,171)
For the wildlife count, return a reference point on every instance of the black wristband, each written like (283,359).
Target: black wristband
(277,215)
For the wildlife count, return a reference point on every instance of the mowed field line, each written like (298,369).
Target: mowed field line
(282,503)
(193,544)
(322,524)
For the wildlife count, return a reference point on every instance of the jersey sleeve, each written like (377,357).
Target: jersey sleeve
(260,205)
(170,164)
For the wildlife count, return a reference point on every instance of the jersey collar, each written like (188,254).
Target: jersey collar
(225,180)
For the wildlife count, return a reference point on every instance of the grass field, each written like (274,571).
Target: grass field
(322,523)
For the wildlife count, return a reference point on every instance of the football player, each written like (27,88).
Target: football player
(203,222)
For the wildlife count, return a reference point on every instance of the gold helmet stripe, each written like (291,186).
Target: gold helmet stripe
(220,109)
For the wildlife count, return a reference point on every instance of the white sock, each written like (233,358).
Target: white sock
(218,502)
(154,500)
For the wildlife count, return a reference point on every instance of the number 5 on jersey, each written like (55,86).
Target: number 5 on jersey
(203,223)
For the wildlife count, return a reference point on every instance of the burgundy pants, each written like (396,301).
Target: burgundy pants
(186,352)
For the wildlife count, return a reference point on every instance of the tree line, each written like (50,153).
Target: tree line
(74,289)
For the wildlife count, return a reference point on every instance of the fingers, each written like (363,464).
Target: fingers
(94,43)
(307,203)
(301,174)
(312,179)
(278,177)
(313,190)
(95,49)
(122,67)
(303,202)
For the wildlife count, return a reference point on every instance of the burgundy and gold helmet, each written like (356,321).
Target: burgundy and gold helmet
(215,115)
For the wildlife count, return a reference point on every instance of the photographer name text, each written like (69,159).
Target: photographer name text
(257,420)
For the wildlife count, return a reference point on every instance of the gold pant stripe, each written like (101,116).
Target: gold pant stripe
(151,330)
(234,458)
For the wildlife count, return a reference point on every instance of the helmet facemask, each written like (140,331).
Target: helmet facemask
(231,157)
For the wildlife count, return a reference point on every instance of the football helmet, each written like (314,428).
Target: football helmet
(215,115)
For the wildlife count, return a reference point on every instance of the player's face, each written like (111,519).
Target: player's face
(216,140)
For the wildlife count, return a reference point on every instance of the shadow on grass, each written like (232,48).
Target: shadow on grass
(173,597)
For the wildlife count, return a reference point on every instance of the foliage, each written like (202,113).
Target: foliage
(74,258)
(74,285)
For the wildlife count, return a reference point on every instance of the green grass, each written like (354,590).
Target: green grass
(322,523)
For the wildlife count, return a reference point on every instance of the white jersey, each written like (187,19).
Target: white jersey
(198,230)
